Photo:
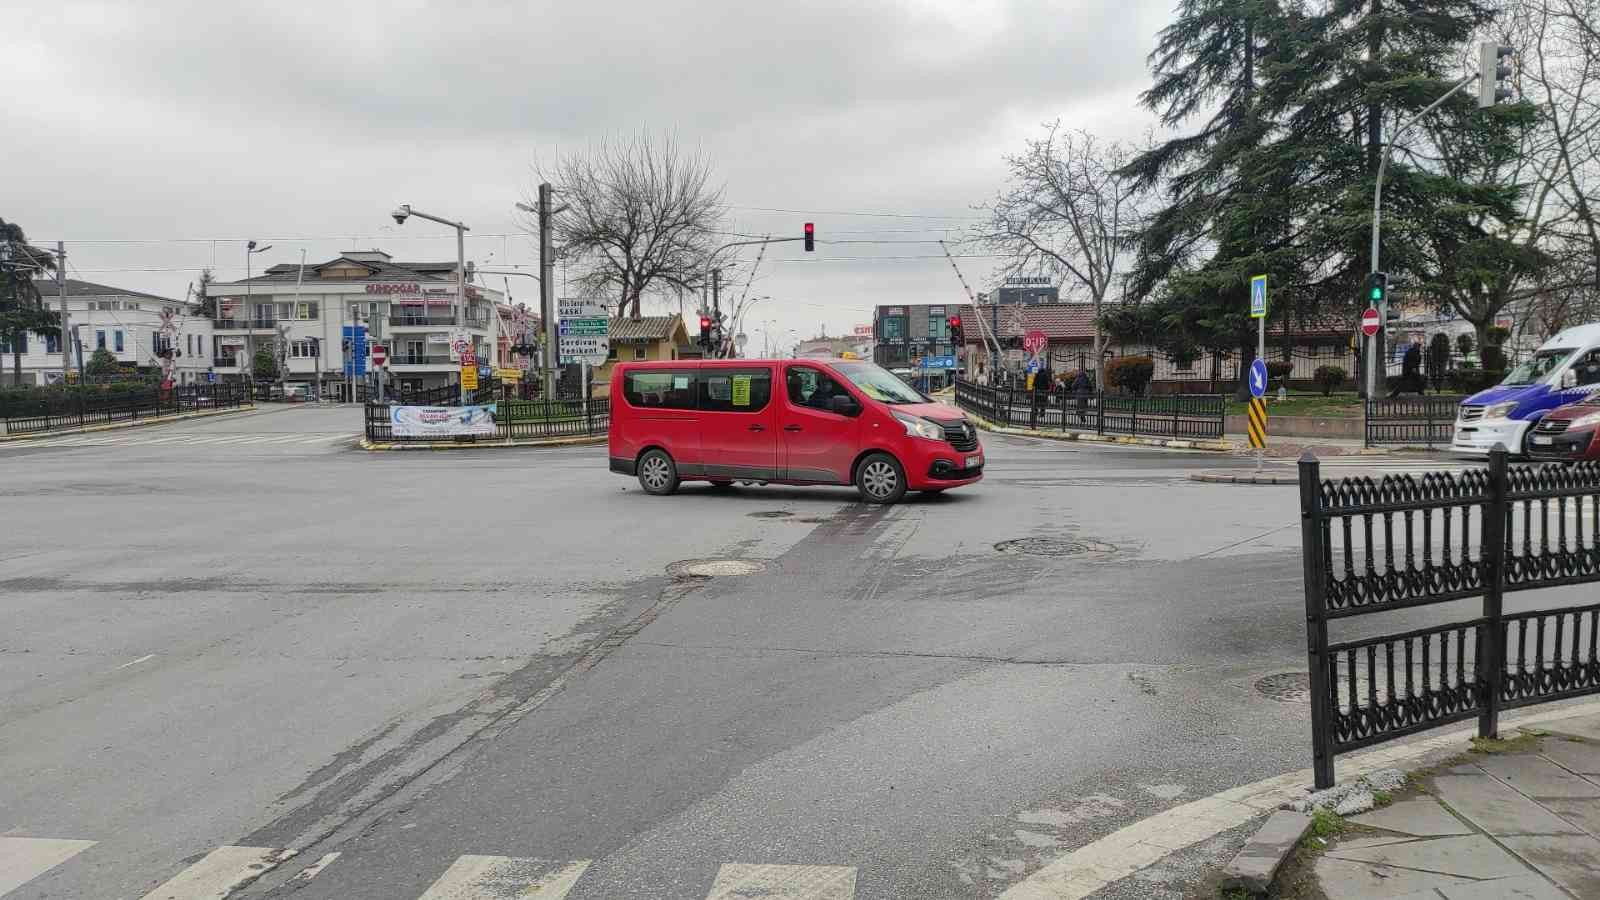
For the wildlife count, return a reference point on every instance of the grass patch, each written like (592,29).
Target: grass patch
(1315,405)
(1380,799)
(1521,743)
(1325,823)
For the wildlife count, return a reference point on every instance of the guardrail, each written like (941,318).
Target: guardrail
(1412,421)
(513,419)
(77,410)
(1402,542)
(1199,416)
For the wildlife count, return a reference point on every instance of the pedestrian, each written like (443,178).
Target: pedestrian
(1410,370)
(1081,390)
(1042,383)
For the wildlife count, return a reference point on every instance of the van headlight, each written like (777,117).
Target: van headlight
(920,427)
(1500,410)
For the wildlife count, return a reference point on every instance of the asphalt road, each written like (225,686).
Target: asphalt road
(241,632)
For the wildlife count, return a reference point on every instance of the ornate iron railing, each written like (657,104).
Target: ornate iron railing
(1404,541)
(1412,421)
(1198,416)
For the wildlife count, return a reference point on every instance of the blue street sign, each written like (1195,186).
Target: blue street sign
(1258,378)
(938,362)
(1034,365)
(211,377)
(355,362)
(485,371)
(1258,297)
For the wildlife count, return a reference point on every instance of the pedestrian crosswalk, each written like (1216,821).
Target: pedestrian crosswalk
(195,439)
(227,869)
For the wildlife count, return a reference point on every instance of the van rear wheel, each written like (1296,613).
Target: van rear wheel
(881,479)
(658,475)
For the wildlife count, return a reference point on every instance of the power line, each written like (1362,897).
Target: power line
(833,212)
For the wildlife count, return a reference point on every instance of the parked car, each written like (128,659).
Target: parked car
(299,393)
(1568,433)
(807,421)
(1563,371)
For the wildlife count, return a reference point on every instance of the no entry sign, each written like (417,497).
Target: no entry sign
(1369,322)
(380,354)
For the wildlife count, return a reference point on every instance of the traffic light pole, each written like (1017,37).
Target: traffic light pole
(711,258)
(1377,224)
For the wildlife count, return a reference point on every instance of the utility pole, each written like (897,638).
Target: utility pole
(716,314)
(547,303)
(66,319)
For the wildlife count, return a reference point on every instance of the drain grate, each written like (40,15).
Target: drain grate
(770,514)
(1285,687)
(1034,546)
(716,568)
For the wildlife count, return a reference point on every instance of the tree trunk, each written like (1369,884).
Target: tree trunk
(16,363)
(1247,355)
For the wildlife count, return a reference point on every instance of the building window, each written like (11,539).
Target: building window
(130,305)
(306,310)
(118,335)
(640,353)
(52,343)
(612,353)
(894,328)
(22,345)
(99,339)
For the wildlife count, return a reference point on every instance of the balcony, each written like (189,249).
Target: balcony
(442,359)
(434,320)
(244,324)
(225,362)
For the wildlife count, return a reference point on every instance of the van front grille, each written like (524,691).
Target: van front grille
(961,436)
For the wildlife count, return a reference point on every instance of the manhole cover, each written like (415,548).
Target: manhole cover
(716,568)
(1054,547)
(1286,687)
(770,514)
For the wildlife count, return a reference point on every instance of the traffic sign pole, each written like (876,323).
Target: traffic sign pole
(1258,311)
(1371,320)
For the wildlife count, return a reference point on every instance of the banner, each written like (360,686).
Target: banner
(441,421)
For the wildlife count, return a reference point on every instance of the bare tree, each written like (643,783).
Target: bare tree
(1067,206)
(641,215)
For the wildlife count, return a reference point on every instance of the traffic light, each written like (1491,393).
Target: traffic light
(811,237)
(955,331)
(705,331)
(1377,288)
(1494,76)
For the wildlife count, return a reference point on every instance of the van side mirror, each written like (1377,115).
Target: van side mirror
(1569,378)
(844,405)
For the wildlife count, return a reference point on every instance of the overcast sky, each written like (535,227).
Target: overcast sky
(194,126)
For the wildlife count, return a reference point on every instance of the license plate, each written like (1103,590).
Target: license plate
(974,461)
(1544,440)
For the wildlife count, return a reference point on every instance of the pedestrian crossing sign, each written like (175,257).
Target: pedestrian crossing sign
(1258,297)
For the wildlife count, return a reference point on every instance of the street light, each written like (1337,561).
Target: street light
(247,370)
(403,212)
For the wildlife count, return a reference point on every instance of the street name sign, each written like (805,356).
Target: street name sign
(584,330)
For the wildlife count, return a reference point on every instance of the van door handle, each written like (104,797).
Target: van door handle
(758,428)
(792,428)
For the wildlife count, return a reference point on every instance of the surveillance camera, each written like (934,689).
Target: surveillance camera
(400,216)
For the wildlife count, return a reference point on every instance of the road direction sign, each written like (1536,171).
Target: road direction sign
(1035,340)
(1258,297)
(1258,378)
(1257,426)
(1034,365)
(584,332)
(939,362)
(380,354)
(1370,320)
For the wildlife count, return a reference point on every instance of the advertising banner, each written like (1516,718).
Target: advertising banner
(441,421)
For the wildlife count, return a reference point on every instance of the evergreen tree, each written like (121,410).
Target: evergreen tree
(22,309)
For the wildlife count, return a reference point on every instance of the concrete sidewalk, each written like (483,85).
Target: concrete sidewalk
(1522,821)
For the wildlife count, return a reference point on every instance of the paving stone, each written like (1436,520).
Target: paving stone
(1583,726)
(1583,813)
(1536,776)
(1421,816)
(1573,861)
(1342,879)
(1497,809)
(1578,756)
(1526,887)
(1263,854)
(1473,856)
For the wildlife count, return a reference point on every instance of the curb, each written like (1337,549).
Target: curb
(1092,438)
(122,426)
(1081,872)
(1252,478)
(386,446)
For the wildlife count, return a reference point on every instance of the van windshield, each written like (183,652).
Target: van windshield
(879,384)
(1536,367)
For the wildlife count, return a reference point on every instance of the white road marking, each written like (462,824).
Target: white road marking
(141,659)
(473,877)
(315,869)
(222,870)
(24,859)
(1089,868)
(743,881)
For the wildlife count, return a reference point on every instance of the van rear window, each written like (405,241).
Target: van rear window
(660,390)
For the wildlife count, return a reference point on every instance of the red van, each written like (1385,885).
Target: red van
(790,421)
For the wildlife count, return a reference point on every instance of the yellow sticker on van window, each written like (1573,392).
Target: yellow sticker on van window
(741,390)
(680,382)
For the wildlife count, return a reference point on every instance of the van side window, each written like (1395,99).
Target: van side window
(735,390)
(812,389)
(670,389)
(1588,368)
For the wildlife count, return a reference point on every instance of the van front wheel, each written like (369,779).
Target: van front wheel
(880,479)
(657,474)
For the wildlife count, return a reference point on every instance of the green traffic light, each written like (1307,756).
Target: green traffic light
(1377,293)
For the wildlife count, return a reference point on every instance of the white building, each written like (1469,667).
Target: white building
(405,306)
(125,323)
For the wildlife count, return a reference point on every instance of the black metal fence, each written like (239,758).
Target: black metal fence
(513,420)
(1412,421)
(1404,542)
(54,411)
(1199,416)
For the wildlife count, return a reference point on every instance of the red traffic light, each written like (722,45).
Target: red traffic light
(811,237)
(705,323)
(955,321)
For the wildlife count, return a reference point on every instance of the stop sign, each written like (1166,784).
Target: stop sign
(380,354)
(1035,340)
(1369,322)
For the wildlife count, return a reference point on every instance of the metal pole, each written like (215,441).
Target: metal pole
(66,318)
(547,303)
(1312,550)
(716,313)
(246,368)
(345,369)
(1261,354)
(1490,666)
(283,373)
(458,308)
